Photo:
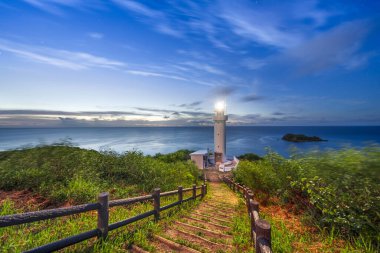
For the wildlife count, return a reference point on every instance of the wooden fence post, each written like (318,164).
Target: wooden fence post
(194,191)
(156,203)
(254,207)
(203,191)
(263,234)
(103,215)
(249,197)
(180,194)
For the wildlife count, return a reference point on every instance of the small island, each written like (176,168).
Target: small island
(301,138)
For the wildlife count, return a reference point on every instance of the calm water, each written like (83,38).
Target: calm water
(152,140)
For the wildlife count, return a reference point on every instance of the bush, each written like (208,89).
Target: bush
(181,155)
(339,189)
(62,173)
(250,157)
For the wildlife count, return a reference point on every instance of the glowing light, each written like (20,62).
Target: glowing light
(220,106)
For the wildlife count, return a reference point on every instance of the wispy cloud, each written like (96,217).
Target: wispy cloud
(156,18)
(154,74)
(339,46)
(70,113)
(60,58)
(194,105)
(222,92)
(96,35)
(139,8)
(251,98)
(261,26)
(253,64)
(56,7)
(204,67)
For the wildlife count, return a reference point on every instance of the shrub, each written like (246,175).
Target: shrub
(250,157)
(181,155)
(64,173)
(339,188)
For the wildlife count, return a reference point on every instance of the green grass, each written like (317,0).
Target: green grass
(23,237)
(285,240)
(337,189)
(65,173)
(241,229)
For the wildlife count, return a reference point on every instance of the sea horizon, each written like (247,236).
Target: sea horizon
(166,139)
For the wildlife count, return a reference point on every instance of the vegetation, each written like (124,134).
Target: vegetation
(180,155)
(119,240)
(63,173)
(339,190)
(250,157)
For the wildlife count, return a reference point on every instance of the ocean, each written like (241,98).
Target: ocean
(152,140)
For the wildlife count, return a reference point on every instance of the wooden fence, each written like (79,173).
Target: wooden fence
(260,229)
(102,207)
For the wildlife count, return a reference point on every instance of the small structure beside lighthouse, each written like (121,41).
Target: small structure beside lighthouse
(220,120)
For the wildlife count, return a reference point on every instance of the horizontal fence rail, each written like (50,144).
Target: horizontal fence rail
(102,207)
(260,229)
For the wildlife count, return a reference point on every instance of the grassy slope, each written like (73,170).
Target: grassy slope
(333,192)
(64,174)
(40,233)
(70,174)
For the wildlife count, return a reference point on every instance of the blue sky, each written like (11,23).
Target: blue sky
(147,63)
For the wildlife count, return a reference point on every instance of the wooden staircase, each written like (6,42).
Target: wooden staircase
(208,228)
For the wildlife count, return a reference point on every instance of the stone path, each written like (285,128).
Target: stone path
(207,228)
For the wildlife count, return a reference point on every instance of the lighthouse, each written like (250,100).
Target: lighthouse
(220,132)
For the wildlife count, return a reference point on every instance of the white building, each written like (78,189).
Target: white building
(220,133)
(200,158)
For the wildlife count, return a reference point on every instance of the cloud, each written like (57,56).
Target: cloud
(141,117)
(139,8)
(176,112)
(154,17)
(70,113)
(278,113)
(253,64)
(57,7)
(96,35)
(60,58)
(339,46)
(166,29)
(259,25)
(191,105)
(204,67)
(251,98)
(155,74)
(224,91)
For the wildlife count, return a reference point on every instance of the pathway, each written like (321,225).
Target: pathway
(208,228)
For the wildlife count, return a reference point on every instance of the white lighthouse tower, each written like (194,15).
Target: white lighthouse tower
(220,132)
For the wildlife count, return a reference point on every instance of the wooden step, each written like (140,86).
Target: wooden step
(166,244)
(205,240)
(221,207)
(204,209)
(192,240)
(203,230)
(208,224)
(136,249)
(209,213)
(210,218)
(218,210)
